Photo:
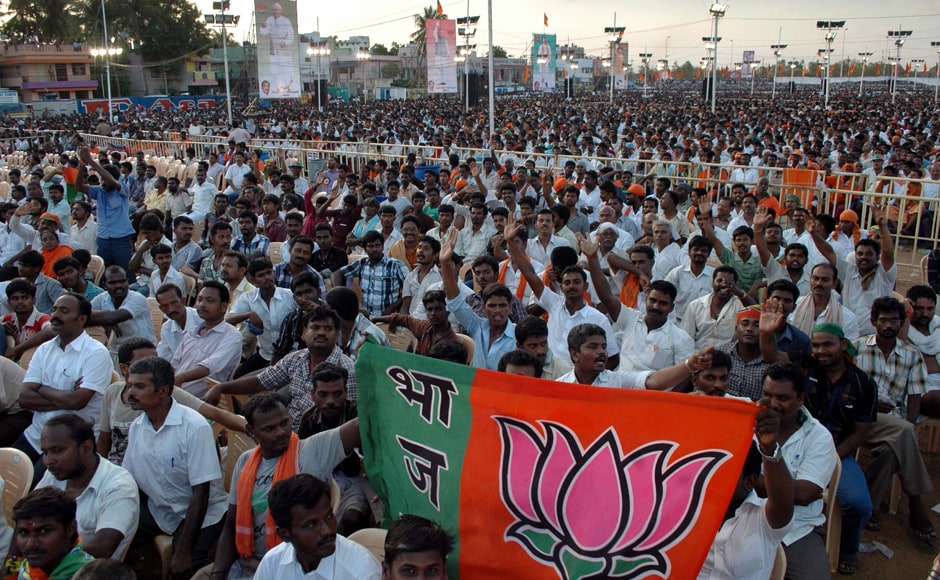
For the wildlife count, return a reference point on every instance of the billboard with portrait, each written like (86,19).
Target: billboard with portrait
(441,39)
(278,67)
(543,62)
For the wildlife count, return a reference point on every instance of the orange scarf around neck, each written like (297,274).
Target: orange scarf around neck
(520,288)
(244,519)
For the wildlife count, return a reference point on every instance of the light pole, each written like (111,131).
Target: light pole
(363,56)
(468,28)
(107,52)
(899,36)
(319,50)
(792,69)
(916,62)
(778,52)
(645,59)
(824,53)
(936,87)
(614,34)
(750,68)
(222,19)
(717,11)
(865,56)
(574,67)
(830,27)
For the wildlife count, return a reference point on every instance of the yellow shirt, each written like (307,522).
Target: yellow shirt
(156,200)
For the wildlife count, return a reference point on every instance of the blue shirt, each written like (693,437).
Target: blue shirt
(112,212)
(486,355)
(792,339)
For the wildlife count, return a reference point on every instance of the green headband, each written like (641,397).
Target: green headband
(836,330)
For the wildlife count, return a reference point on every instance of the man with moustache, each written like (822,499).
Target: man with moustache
(650,341)
(588,351)
(748,365)
(46,534)
(248,532)
(823,304)
(106,494)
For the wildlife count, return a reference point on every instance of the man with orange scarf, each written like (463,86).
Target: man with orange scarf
(47,536)
(248,532)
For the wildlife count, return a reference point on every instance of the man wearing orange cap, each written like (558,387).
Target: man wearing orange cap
(748,365)
(848,233)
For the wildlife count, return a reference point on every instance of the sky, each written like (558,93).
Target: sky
(672,28)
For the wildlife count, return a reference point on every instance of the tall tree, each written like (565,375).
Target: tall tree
(40,21)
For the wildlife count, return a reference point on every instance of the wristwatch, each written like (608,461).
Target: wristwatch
(777,454)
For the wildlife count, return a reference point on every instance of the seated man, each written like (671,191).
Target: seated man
(923,334)
(70,372)
(117,414)
(435,329)
(306,291)
(331,409)
(71,275)
(380,277)
(354,327)
(901,376)
(520,362)
(239,552)
(754,524)
(126,312)
(13,418)
(416,547)
(179,318)
(587,347)
(46,534)
(106,494)
(710,320)
(715,380)
(212,348)
(300,508)
(321,333)
(749,366)
(810,455)
(171,453)
(26,325)
(532,337)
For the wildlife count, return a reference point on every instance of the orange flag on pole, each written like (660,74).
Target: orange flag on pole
(546,18)
(907,68)
(877,69)
(541,480)
(440,9)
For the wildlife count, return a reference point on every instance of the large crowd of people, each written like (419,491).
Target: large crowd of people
(655,251)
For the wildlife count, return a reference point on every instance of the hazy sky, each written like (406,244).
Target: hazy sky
(650,26)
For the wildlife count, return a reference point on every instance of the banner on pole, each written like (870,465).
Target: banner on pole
(545,480)
(543,62)
(747,68)
(278,68)
(440,37)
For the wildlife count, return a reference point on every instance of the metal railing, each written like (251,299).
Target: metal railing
(850,190)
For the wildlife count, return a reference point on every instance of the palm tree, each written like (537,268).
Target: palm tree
(418,37)
(42,20)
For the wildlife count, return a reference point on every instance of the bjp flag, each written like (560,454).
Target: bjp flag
(541,480)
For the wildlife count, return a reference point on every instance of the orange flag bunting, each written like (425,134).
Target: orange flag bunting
(851,68)
(440,9)
(877,69)
(546,18)
(525,74)
(907,68)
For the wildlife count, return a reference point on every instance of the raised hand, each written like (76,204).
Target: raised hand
(588,248)
(772,317)
(762,218)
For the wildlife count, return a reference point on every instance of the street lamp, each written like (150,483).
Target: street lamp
(830,26)
(221,19)
(900,37)
(318,51)
(645,59)
(107,52)
(916,62)
(792,69)
(778,52)
(614,35)
(467,29)
(717,11)
(936,87)
(574,68)
(362,56)
(865,56)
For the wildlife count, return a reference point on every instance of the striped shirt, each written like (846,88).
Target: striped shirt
(381,283)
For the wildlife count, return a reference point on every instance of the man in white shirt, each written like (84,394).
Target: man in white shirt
(587,348)
(471,242)
(424,274)
(128,312)
(872,275)
(70,372)
(203,192)
(539,248)
(179,318)
(234,176)
(710,320)
(745,546)
(311,548)
(265,308)
(694,279)
(84,230)
(11,245)
(822,304)
(564,312)
(106,494)
(171,454)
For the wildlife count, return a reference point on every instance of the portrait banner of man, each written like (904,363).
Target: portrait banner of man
(278,69)
(441,39)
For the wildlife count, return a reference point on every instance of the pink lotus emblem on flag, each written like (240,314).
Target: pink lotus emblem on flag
(594,512)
